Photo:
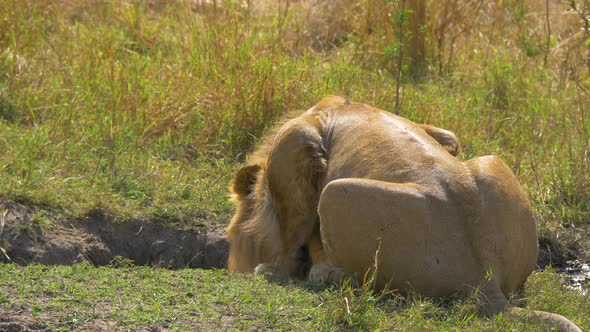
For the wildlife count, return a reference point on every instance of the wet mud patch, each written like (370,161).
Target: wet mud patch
(577,275)
(568,252)
(28,237)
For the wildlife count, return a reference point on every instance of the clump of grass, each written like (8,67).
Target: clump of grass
(557,298)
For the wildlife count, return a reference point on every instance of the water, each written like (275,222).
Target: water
(577,275)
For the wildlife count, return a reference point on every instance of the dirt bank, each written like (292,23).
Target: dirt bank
(26,238)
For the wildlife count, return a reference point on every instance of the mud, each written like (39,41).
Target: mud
(98,239)
(568,252)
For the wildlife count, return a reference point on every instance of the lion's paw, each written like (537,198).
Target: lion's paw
(263,268)
(321,273)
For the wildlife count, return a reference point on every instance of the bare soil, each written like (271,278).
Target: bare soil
(98,239)
(19,321)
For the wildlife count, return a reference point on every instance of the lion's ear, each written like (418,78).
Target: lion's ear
(245,180)
(445,138)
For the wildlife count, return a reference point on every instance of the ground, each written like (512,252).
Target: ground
(130,298)
(124,297)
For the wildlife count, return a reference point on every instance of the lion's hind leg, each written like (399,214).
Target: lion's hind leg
(406,230)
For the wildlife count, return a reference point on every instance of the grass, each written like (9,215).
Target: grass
(141,297)
(142,110)
(138,109)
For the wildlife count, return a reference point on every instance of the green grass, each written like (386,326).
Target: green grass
(85,297)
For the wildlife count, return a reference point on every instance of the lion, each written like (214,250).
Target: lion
(329,188)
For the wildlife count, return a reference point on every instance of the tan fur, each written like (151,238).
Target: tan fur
(372,179)
(249,231)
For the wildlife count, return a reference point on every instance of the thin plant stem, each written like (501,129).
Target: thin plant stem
(400,58)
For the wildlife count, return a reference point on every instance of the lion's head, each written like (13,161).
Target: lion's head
(253,230)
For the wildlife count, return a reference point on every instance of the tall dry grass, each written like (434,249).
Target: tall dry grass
(146,108)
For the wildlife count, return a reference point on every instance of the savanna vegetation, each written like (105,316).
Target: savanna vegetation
(145,109)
